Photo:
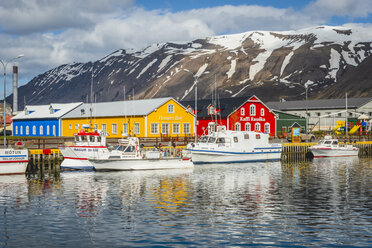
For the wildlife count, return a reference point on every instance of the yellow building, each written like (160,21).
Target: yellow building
(141,118)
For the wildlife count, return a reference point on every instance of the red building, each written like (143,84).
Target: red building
(253,115)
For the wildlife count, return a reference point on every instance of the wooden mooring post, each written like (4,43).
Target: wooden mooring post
(44,159)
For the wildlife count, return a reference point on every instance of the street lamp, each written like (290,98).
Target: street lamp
(307,116)
(5,64)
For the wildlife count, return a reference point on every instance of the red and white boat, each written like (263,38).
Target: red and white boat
(87,145)
(13,161)
(330,147)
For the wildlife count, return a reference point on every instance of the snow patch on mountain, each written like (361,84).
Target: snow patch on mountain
(232,69)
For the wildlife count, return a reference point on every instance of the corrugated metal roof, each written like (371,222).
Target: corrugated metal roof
(120,108)
(44,112)
(352,103)
(227,105)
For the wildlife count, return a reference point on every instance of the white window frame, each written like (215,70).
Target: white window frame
(252,110)
(267,127)
(257,126)
(165,128)
(33,130)
(16,131)
(41,130)
(95,126)
(137,128)
(27,130)
(248,126)
(237,126)
(76,126)
(171,108)
(262,112)
(242,111)
(21,130)
(186,128)
(114,128)
(176,128)
(48,130)
(125,129)
(70,126)
(54,130)
(154,128)
(104,128)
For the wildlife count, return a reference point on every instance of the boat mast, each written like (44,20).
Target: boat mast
(346,131)
(91,101)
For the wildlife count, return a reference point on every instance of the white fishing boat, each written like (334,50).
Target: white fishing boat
(225,146)
(88,144)
(129,156)
(330,147)
(13,161)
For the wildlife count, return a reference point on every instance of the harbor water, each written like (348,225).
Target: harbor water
(322,203)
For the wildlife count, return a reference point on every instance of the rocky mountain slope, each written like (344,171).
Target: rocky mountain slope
(271,65)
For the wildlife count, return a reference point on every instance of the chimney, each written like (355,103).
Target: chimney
(15,89)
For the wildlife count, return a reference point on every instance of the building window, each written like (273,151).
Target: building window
(125,129)
(104,128)
(54,130)
(186,128)
(154,128)
(339,114)
(16,130)
(262,112)
(136,128)
(114,128)
(41,130)
(237,126)
(48,131)
(21,131)
(252,109)
(33,130)
(27,130)
(77,126)
(257,127)
(171,108)
(164,128)
(267,127)
(318,114)
(70,126)
(247,126)
(242,111)
(176,128)
(95,126)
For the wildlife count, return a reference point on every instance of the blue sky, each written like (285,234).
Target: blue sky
(54,32)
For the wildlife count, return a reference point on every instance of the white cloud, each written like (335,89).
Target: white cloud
(54,32)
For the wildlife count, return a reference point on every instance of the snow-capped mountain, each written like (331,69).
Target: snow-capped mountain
(272,65)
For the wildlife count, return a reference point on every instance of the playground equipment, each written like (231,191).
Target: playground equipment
(339,124)
(354,129)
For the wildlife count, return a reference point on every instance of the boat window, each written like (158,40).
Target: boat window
(130,149)
(78,138)
(334,142)
(258,136)
(203,139)
(98,139)
(246,136)
(236,139)
(220,140)
(211,140)
(328,142)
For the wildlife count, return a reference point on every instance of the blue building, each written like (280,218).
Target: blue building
(42,120)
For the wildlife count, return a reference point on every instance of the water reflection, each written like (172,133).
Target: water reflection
(324,202)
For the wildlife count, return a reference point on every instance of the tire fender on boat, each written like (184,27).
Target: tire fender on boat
(179,153)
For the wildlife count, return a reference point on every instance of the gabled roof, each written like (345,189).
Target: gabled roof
(226,105)
(352,103)
(120,108)
(44,111)
(252,99)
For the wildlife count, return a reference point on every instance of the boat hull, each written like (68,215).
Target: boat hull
(140,164)
(211,157)
(323,152)
(76,157)
(13,161)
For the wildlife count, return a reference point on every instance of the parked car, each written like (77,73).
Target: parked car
(310,136)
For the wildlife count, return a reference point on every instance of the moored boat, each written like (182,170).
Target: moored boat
(129,156)
(225,146)
(330,147)
(87,144)
(13,161)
